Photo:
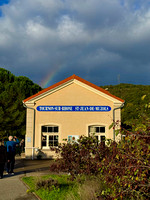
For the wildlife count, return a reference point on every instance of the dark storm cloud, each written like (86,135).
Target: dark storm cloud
(97,40)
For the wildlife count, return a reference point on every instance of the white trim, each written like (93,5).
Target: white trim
(97,91)
(31,104)
(40,96)
(45,148)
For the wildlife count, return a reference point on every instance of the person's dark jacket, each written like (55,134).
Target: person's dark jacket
(11,146)
(3,154)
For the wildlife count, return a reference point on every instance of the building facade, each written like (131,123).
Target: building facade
(67,110)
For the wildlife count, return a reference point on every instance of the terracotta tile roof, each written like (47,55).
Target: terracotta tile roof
(68,79)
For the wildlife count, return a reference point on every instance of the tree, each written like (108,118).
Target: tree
(12,113)
(135,107)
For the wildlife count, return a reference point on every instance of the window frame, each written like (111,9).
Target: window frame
(98,134)
(48,131)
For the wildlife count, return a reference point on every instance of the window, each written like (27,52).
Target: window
(50,136)
(98,131)
(102,138)
(44,138)
(50,129)
(53,140)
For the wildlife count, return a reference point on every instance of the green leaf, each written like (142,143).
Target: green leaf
(111,125)
(143,97)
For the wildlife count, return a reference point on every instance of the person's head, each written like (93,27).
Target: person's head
(10,138)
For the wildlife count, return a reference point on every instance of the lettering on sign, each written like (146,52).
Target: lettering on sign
(74,108)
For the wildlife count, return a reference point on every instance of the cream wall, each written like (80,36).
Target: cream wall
(70,123)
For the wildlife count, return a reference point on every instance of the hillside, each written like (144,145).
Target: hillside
(136,107)
(12,113)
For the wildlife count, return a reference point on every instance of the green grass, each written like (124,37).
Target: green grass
(66,188)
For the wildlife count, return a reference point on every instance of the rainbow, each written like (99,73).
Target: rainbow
(46,81)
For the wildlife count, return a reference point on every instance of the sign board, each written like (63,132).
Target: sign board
(74,108)
(73,138)
(28,139)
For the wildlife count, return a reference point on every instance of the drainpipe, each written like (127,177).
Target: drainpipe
(33,130)
(114,118)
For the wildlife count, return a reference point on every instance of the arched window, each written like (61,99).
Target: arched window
(50,136)
(98,131)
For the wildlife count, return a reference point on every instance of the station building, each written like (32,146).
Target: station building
(67,110)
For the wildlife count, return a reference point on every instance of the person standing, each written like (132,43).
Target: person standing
(11,152)
(22,144)
(3,157)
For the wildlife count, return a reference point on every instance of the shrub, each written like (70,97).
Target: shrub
(80,158)
(125,167)
(49,184)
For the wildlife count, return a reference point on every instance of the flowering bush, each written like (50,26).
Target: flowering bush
(124,166)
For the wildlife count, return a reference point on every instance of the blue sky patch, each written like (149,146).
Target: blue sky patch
(2,2)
